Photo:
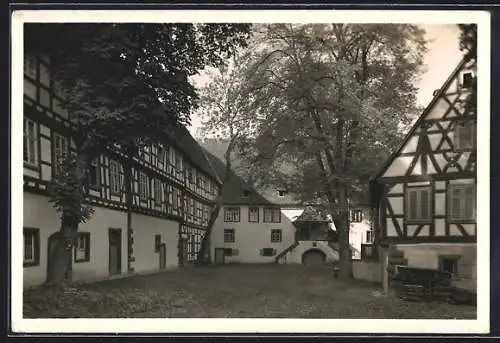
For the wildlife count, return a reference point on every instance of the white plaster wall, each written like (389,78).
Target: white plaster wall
(145,229)
(39,213)
(357,236)
(295,256)
(251,237)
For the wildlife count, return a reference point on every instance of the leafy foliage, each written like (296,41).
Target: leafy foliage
(125,84)
(308,81)
(468,44)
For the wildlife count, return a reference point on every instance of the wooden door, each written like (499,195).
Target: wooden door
(219,256)
(115,251)
(163,256)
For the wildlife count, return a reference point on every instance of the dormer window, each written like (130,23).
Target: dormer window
(467,80)
(246,194)
(282,193)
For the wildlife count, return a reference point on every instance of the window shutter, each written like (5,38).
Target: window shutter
(456,203)
(413,205)
(469,202)
(424,204)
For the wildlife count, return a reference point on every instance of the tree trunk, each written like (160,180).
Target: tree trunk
(204,253)
(60,258)
(342,225)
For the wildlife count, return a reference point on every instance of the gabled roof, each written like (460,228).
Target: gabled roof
(235,189)
(192,150)
(441,92)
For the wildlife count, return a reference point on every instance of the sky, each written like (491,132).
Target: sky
(442,57)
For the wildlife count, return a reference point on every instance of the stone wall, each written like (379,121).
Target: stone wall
(367,270)
(428,256)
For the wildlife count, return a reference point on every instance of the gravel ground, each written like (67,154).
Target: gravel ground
(233,291)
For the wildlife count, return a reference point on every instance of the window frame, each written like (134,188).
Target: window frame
(143,186)
(97,172)
(157,191)
(229,235)
(27,144)
(64,149)
(279,234)
(370,234)
(463,202)
(235,210)
(354,214)
(86,250)
(35,233)
(273,211)
(430,203)
(114,178)
(454,258)
(458,130)
(250,208)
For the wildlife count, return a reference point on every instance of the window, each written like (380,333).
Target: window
(30,142)
(418,205)
(253,214)
(449,264)
(229,235)
(94,175)
(31,247)
(157,243)
(114,177)
(464,135)
(245,194)
(356,216)
(174,198)
(272,215)
(467,80)
(369,236)
(268,252)
(143,186)
(161,156)
(60,152)
(30,66)
(82,247)
(282,193)
(231,214)
(157,190)
(462,202)
(276,235)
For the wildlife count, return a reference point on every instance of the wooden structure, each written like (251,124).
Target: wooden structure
(424,196)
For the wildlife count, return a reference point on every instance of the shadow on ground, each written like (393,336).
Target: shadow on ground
(256,291)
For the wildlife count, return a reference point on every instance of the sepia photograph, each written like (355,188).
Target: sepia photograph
(326,165)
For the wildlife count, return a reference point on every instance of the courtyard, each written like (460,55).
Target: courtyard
(233,291)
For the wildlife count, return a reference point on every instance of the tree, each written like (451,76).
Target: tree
(123,85)
(332,102)
(468,44)
(226,119)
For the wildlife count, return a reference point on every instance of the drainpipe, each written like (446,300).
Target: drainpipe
(129,203)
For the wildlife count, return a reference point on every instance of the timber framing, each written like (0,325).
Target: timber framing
(429,162)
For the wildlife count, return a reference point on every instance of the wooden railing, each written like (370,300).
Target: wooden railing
(284,252)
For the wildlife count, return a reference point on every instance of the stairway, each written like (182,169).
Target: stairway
(284,252)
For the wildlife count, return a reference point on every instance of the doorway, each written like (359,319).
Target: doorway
(115,251)
(163,256)
(219,256)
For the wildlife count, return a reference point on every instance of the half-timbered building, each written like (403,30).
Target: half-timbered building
(161,225)
(425,195)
